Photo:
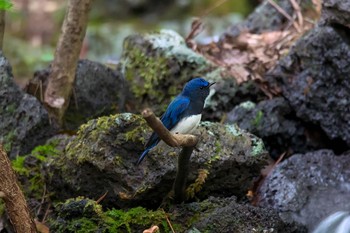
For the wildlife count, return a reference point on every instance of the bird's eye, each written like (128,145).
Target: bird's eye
(201,88)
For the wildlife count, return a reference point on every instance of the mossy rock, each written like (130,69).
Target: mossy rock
(211,215)
(103,155)
(156,66)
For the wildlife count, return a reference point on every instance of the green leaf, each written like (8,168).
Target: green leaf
(5,4)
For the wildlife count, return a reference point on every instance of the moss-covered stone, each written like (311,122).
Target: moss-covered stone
(31,169)
(211,215)
(84,215)
(102,159)
(157,65)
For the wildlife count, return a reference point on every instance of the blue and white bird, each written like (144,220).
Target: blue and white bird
(183,113)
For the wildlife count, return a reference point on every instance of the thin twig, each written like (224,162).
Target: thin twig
(276,163)
(42,201)
(298,12)
(102,197)
(46,213)
(41,91)
(197,24)
(284,13)
(168,221)
(207,12)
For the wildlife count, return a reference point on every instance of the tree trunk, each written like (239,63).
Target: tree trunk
(61,78)
(2,27)
(13,197)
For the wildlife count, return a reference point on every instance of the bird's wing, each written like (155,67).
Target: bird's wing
(175,111)
(171,117)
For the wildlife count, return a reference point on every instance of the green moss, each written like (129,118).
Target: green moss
(8,140)
(78,215)
(157,65)
(31,175)
(85,215)
(258,117)
(18,166)
(2,208)
(124,127)
(150,70)
(136,134)
(11,108)
(216,155)
(81,225)
(139,217)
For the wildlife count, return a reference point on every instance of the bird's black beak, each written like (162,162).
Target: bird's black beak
(211,84)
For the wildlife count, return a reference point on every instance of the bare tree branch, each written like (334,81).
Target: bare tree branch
(187,141)
(13,197)
(173,140)
(62,76)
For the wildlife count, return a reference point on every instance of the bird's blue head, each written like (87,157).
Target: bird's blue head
(197,88)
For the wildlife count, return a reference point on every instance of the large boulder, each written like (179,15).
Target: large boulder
(156,66)
(275,122)
(314,78)
(24,122)
(308,187)
(103,155)
(97,92)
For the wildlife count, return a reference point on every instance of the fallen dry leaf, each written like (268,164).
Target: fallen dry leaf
(153,229)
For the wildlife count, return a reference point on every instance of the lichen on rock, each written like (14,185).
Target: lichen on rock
(156,66)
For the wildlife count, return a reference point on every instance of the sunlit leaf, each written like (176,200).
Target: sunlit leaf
(5,4)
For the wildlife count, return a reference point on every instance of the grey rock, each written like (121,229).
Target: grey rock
(226,94)
(226,215)
(335,11)
(156,66)
(103,155)
(275,122)
(314,78)
(308,187)
(97,92)
(24,122)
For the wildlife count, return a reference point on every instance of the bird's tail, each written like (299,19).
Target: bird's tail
(143,155)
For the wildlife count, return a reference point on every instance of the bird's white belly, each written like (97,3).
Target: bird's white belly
(187,124)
